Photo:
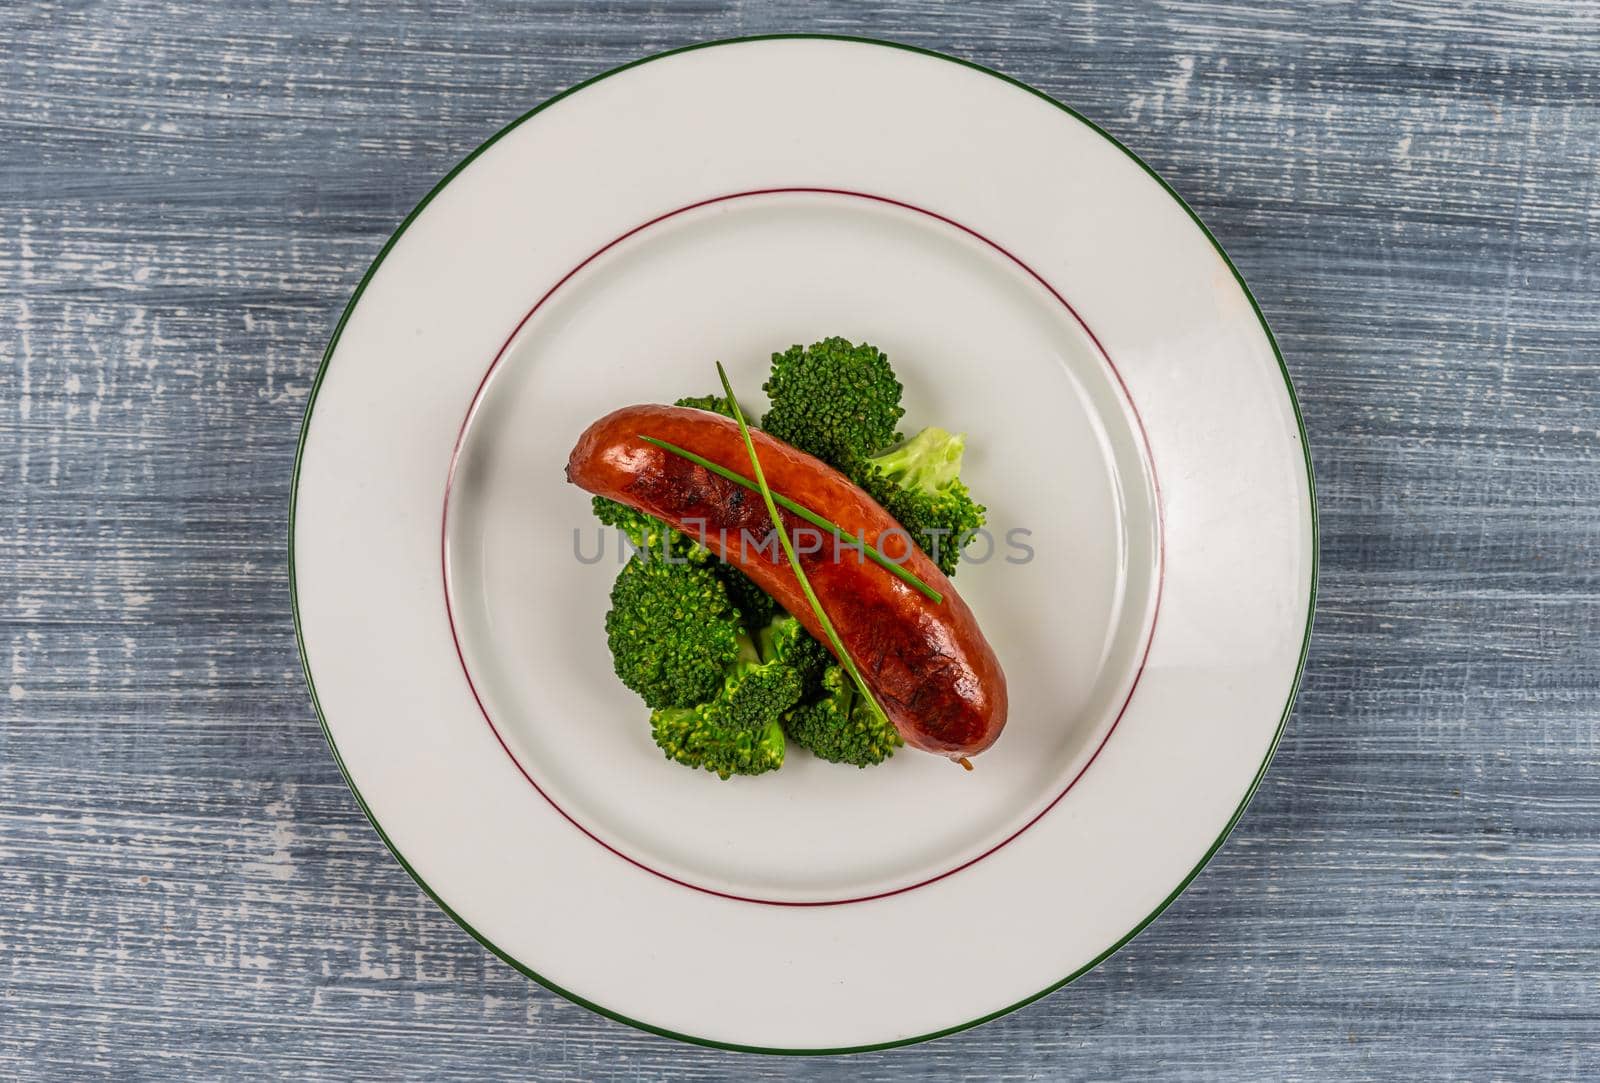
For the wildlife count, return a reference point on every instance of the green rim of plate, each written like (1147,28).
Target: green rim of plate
(305,660)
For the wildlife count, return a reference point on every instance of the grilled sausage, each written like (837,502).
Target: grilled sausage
(932,671)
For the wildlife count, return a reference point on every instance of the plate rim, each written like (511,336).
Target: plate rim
(528,972)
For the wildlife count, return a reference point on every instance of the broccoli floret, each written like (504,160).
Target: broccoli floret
(786,640)
(688,737)
(755,605)
(757,690)
(717,404)
(837,401)
(649,534)
(841,726)
(740,730)
(919,484)
(928,461)
(672,630)
(830,719)
(645,531)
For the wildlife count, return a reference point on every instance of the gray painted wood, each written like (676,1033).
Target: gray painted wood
(187,196)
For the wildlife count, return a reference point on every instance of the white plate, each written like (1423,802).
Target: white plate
(1035,286)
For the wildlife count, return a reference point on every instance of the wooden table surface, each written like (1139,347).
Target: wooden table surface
(188,194)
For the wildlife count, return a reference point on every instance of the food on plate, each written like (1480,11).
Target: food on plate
(919,484)
(837,401)
(711,624)
(739,729)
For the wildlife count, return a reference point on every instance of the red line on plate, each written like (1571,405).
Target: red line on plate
(477,395)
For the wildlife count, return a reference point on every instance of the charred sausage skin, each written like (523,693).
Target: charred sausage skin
(927,662)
